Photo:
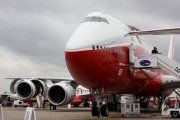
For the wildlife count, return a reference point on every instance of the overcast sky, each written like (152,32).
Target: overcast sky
(33,33)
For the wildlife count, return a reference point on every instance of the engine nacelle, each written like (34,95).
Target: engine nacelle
(28,88)
(61,93)
(13,85)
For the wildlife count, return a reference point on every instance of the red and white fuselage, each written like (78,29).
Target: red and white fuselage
(97,56)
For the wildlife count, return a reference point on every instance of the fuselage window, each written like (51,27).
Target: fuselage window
(104,48)
(120,51)
(86,19)
(115,51)
(95,19)
(110,49)
(101,47)
(93,47)
(97,47)
(107,49)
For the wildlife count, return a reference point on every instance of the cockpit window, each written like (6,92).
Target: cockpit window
(86,19)
(95,19)
(104,20)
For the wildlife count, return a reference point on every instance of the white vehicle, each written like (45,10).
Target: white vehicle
(167,108)
(19,103)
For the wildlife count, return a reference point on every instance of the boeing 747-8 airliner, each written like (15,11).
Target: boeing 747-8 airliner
(101,56)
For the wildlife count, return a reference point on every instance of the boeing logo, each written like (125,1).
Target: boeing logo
(145,63)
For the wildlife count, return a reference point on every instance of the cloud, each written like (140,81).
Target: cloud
(13,65)
(33,33)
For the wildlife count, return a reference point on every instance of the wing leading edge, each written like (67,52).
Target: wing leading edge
(53,79)
(155,32)
(170,82)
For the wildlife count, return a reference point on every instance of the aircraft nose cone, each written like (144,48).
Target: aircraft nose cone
(77,62)
(78,57)
(80,40)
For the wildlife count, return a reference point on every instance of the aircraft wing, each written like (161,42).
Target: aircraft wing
(155,32)
(170,82)
(52,79)
(172,85)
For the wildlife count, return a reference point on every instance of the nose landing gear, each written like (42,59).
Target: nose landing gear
(100,106)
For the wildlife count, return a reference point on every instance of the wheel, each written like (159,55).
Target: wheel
(15,106)
(95,110)
(76,105)
(104,111)
(174,114)
(86,104)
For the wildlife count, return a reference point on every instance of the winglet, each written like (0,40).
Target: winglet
(171,48)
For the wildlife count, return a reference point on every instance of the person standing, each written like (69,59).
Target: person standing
(54,107)
(44,104)
(50,105)
(155,50)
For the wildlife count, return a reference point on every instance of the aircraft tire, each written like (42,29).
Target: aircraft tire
(104,111)
(95,111)
(174,114)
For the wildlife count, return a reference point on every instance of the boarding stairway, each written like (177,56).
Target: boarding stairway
(157,61)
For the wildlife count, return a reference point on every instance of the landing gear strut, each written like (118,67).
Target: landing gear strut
(104,110)
(100,106)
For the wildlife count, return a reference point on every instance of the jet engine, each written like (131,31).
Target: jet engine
(61,93)
(29,88)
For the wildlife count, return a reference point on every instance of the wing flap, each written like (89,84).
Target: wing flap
(155,32)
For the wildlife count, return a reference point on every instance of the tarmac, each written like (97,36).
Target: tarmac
(73,113)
